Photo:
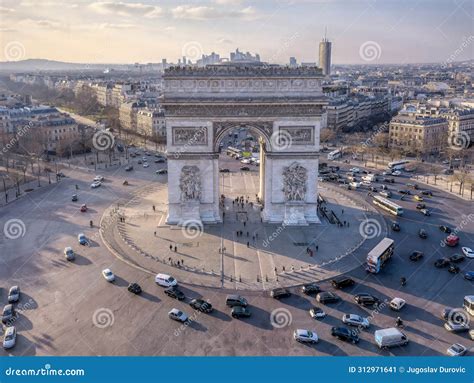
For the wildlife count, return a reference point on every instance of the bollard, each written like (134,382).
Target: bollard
(266,278)
(258,279)
(231,278)
(240,278)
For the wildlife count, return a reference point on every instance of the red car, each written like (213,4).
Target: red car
(451,240)
(83,208)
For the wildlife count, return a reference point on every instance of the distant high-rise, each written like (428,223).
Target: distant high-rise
(325,56)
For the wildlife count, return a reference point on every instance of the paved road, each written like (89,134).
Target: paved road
(69,309)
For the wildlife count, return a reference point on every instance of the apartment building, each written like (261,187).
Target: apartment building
(151,123)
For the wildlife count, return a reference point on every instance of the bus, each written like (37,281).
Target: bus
(398,165)
(379,255)
(335,154)
(468,304)
(233,152)
(388,205)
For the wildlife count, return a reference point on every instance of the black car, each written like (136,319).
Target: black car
(416,256)
(310,288)
(225,170)
(445,229)
(341,282)
(280,293)
(453,268)
(134,288)
(365,299)
(442,262)
(240,312)
(175,293)
(160,161)
(395,226)
(201,305)
(422,234)
(327,297)
(74,198)
(128,168)
(245,168)
(373,189)
(402,191)
(427,192)
(420,206)
(456,258)
(345,334)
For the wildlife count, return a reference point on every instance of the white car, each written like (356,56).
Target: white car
(99,178)
(387,173)
(317,313)
(177,315)
(245,161)
(355,320)
(355,185)
(355,170)
(397,304)
(305,336)
(108,275)
(9,340)
(95,184)
(457,349)
(468,252)
(146,165)
(397,173)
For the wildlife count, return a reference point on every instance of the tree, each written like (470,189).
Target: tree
(326,135)
(86,102)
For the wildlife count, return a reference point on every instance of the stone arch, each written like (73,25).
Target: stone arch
(262,129)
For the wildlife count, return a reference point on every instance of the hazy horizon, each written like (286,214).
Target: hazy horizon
(130,31)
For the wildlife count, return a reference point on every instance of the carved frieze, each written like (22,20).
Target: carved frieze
(298,135)
(294,182)
(190,183)
(189,136)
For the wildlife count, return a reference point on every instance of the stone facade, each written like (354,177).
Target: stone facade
(283,106)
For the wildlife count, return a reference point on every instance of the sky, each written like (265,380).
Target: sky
(129,31)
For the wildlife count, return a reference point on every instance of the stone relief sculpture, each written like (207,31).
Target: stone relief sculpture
(190,135)
(190,183)
(294,182)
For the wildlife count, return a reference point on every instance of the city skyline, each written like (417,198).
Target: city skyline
(361,32)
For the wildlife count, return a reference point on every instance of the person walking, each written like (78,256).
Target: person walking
(175,249)
(171,247)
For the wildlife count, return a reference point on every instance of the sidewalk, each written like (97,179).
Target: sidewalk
(443,183)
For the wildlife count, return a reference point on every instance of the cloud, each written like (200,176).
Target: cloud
(126,9)
(223,40)
(205,13)
(5,10)
(116,26)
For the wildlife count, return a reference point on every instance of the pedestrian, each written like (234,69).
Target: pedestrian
(311,253)
(223,214)
(253,238)
(171,247)
(275,270)
(182,261)
(344,223)
(307,250)
(155,233)
(247,234)
(317,247)
(347,223)
(256,235)
(233,202)
(248,244)
(175,249)
(169,259)
(342,211)
(283,268)
(245,223)
(154,209)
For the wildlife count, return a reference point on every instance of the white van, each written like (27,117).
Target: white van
(165,280)
(390,337)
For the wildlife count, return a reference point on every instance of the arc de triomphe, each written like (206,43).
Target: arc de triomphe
(284,106)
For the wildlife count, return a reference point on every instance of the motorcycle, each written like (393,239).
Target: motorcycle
(125,182)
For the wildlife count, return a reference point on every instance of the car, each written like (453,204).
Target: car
(317,313)
(386,193)
(81,238)
(146,165)
(280,293)
(397,304)
(305,336)
(468,252)
(425,212)
(165,280)
(98,178)
(310,288)
(373,189)
(235,300)
(387,173)
(108,275)
(14,294)
(95,184)
(428,193)
(456,258)
(139,162)
(395,226)
(160,160)
(245,161)
(453,268)
(175,293)
(9,340)
(469,276)
(397,173)
(201,305)
(341,282)
(355,320)
(327,297)
(345,334)
(422,234)
(457,349)
(84,208)
(144,158)
(245,168)
(420,206)
(365,299)
(8,313)
(162,171)
(384,187)
(240,312)
(441,263)
(128,168)
(445,229)
(355,170)
(134,288)
(418,198)
(60,175)
(403,191)
(413,186)
(451,240)
(456,327)
(224,170)
(69,254)
(74,198)
(416,256)
(177,315)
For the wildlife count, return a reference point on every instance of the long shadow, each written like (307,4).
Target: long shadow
(26,303)
(259,318)
(120,282)
(297,301)
(197,326)
(150,297)
(221,315)
(335,350)
(23,347)
(81,260)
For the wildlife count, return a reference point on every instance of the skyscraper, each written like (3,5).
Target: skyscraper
(325,55)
